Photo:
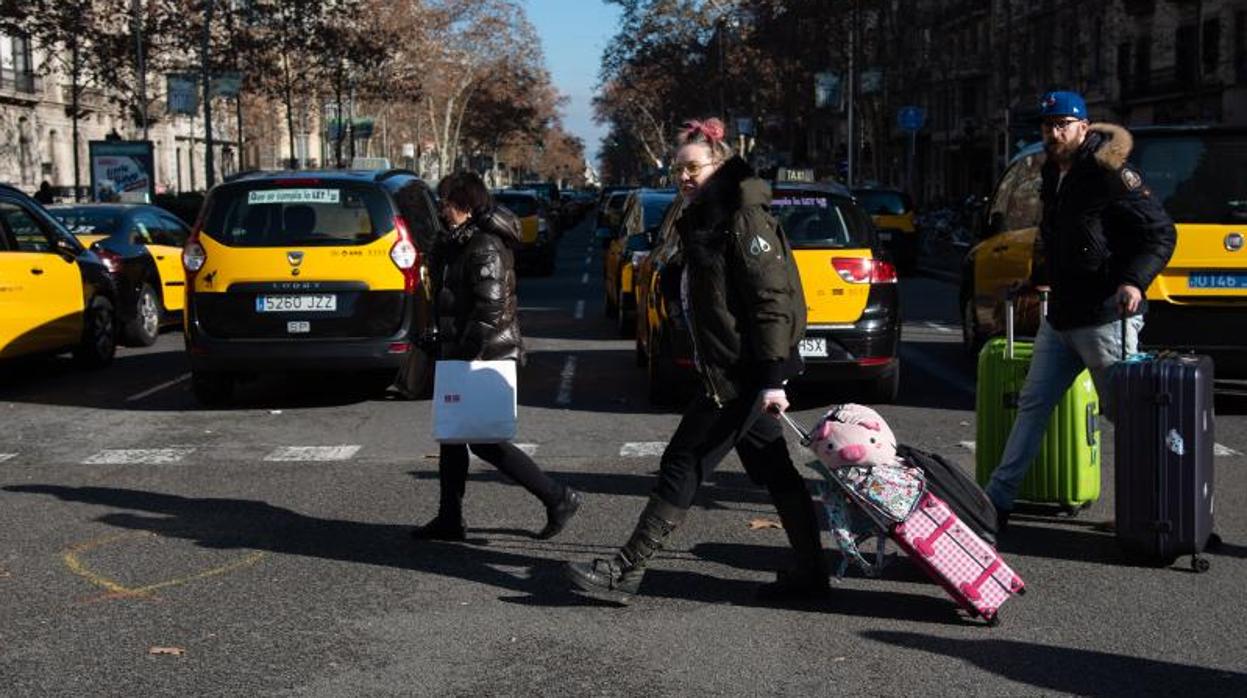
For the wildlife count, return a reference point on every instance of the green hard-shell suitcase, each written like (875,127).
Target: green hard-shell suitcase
(1067,469)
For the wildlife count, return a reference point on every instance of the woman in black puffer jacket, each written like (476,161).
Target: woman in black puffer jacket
(477,321)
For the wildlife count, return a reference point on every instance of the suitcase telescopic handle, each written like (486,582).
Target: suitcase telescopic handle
(801,431)
(1010,311)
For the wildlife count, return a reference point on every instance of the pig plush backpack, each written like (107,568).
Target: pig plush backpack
(857,457)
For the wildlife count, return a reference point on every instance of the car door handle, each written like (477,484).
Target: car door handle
(160,258)
(36,271)
(1000,248)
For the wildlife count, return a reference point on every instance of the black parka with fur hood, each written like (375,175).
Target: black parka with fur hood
(1101,228)
(476,304)
(743,291)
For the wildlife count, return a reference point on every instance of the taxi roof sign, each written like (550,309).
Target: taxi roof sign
(791,174)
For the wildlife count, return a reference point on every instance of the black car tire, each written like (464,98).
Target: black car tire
(884,388)
(144,329)
(98,345)
(213,388)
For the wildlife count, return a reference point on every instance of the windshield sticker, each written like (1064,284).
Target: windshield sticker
(294,196)
(800,201)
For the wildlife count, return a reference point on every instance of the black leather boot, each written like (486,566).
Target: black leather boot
(809,580)
(442,527)
(558,515)
(618,578)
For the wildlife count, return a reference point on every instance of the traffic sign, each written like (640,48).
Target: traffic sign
(911,118)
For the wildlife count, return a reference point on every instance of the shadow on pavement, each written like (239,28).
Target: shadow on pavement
(1072,671)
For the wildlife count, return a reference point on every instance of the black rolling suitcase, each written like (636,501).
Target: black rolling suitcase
(1164,460)
(957,488)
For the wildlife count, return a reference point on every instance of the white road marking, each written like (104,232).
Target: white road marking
(640,449)
(967,445)
(584,278)
(158,388)
(1217,450)
(566,378)
(528,449)
(580,310)
(312,453)
(939,327)
(588,261)
(7,456)
(138,456)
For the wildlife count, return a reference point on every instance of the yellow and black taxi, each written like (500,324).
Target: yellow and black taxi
(141,246)
(538,250)
(1197,302)
(310,270)
(55,294)
(642,214)
(609,215)
(892,212)
(853,301)
(853,318)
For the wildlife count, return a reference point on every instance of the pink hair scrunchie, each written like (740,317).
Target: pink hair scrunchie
(712,129)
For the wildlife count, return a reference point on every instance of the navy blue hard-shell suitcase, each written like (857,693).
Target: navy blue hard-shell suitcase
(1164,457)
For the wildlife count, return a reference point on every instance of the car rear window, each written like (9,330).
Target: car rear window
(264,214)
(85,221)
(654,208)
(882,202)
(819,219)
(519,204)
(1199,178)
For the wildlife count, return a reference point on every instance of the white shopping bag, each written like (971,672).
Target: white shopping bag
(474,402)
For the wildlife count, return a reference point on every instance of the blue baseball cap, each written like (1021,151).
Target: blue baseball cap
(1063,103)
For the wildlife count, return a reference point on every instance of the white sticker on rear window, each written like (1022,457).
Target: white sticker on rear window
(294,196)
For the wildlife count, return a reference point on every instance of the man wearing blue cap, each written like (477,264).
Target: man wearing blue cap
(1102,240)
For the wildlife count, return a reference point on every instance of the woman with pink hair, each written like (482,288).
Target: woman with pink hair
(744,308)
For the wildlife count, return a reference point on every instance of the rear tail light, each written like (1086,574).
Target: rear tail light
(111,260)
(864,270)
(399,347)
(405,256)
(874,361)
(193,254)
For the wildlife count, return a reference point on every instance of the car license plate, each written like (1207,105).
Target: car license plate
(305,303)
(813,346)
(885,236)
(298,327)
(1217,279)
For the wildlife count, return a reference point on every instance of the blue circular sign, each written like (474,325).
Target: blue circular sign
(911,118)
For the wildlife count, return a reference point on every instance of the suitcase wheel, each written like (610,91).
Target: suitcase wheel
(993,620)
(1200,564)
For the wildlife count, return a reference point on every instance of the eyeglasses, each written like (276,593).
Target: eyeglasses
(1060,125)
(689,168)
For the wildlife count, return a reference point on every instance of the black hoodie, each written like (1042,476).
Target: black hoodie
(476,305)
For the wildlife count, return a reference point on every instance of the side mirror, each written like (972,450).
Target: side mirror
(603,236)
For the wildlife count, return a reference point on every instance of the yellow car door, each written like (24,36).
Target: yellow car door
(40,288)
(166,236)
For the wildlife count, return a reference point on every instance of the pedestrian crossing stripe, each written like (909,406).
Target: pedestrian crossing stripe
(305,454)
(1218,450)
(641,449)
(7,456)
(139,456)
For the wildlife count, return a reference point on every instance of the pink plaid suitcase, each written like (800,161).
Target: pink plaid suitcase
(969,569)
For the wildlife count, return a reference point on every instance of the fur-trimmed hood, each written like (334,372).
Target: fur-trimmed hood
(733,186)
(1109,144)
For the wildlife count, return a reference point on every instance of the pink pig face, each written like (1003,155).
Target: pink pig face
(866,442)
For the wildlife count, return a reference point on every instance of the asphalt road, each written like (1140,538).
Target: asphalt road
(268,544)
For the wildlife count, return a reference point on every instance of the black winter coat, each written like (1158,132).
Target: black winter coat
(1101,229)
(747,308)
(476,304)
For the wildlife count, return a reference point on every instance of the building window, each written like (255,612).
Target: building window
(1123,67)
(1185,45)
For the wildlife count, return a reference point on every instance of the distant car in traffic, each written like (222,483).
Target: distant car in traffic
(642,213)
(538,250)
(893,214)
(141,246)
